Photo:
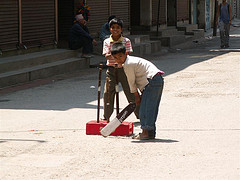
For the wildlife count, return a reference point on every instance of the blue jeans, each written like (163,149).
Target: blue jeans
(150,103)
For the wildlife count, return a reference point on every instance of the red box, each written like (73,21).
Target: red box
(125,129)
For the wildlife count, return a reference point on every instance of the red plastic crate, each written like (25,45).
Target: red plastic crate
(125,129)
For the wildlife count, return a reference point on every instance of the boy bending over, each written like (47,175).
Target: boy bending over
(145,77)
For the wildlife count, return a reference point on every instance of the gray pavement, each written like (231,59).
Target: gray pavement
(42,129)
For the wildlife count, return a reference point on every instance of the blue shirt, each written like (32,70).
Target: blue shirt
(105,32)
(224,13)
(78,31)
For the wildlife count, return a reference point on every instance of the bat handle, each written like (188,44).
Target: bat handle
(99,91)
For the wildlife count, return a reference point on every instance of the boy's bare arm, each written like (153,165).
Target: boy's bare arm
(108,56)
(137,98)
(230,14)
(94,42)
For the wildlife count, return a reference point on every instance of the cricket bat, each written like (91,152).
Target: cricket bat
(113,124)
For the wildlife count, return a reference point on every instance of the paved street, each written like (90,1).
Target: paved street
(42,129)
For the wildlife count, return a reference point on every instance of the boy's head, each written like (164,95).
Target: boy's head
(116,21)
(116,26)
(110,18)
(118,51)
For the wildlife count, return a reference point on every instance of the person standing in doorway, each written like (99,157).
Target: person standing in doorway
(224,13)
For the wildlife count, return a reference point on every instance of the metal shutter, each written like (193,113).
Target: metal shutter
(99,14)
(182,10)
(38,22)
(162,13)
(121,10)
(8,24)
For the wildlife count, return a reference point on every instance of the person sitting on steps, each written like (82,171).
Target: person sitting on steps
(80,37)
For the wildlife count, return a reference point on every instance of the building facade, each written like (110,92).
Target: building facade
(28,24)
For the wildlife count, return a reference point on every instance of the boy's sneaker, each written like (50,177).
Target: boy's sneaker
(151,134)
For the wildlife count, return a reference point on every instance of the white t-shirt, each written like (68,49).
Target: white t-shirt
(138,70)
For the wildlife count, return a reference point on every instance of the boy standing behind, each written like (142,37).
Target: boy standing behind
(116,26)
(144,76)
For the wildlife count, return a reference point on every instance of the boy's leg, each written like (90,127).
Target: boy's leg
(222,38)
(222,33)
(108,110)
(130,96)
(227,29)
(150,104)
(76,44)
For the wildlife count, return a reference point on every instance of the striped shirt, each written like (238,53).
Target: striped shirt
(107,44)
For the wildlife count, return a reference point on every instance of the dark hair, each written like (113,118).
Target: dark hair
(116,21)
(118,47)
(111,17)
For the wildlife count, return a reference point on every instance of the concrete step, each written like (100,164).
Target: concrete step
(166,32)
(189,33)
(187,27)
(141,49)
(172,40)
(198,33)
(149,47)
(42,71)
(171,36)
(33,59)
(96,60)
(169,31)
(140,28)
(156,46)
(137,39)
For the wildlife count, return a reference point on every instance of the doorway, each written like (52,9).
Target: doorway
(171,12)
(65,21)
(134,13)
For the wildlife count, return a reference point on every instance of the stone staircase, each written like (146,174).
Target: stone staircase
(170,37)
(143,45)
(38,65)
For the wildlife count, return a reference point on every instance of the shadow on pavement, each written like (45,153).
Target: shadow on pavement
(155,141)
(6,140)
